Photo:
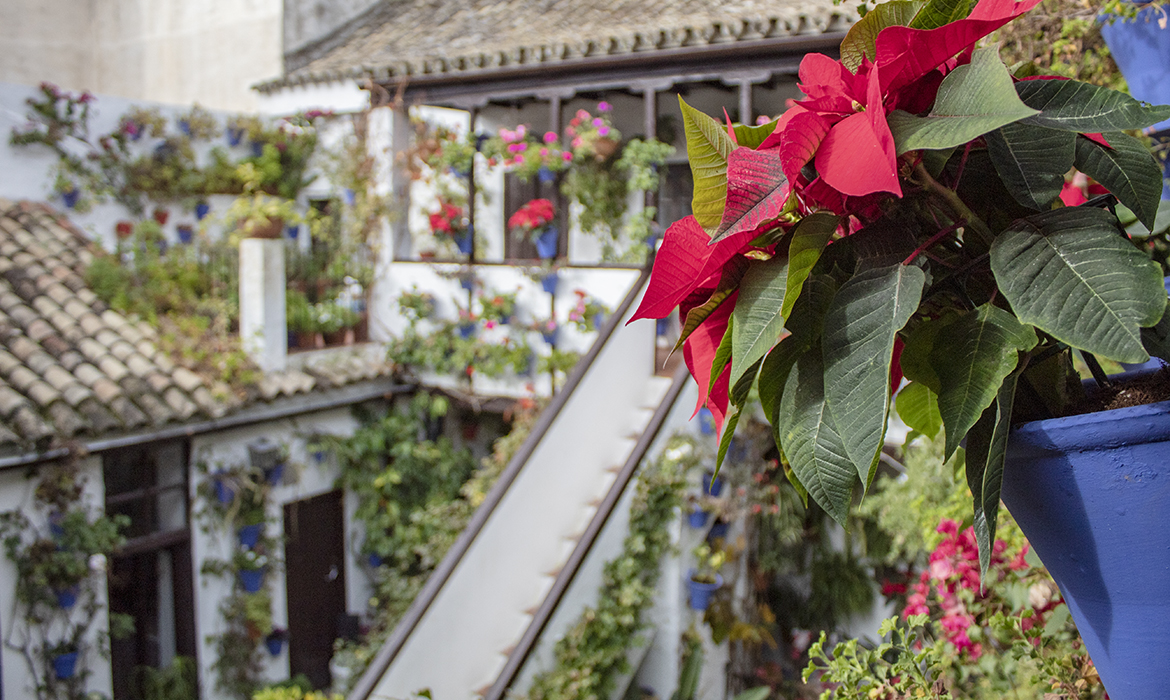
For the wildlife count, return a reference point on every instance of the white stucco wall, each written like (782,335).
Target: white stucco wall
(16,493)
(210,52)
(305,478)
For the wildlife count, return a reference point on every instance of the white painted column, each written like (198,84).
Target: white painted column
(263,327)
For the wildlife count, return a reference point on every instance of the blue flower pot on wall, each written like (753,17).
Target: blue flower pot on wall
(225,490)
(712,485)
(64,665)
(549,282)
(706,421)
(186,233)
(251,580)
(274,643)
(70,197)
(250,535)
(1091,494)
(66,597)
(464,243)
(234,135)
(546,243)
(698,518)
(546,175)
(699,594)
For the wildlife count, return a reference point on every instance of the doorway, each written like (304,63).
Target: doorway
(314,560)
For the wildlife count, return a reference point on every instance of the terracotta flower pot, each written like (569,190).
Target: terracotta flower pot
(605,147)
(267,228)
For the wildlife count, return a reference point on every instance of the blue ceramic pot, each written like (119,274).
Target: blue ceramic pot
(545,175)
(185,127)
(292,231)
(202,209)
(549,283)
(1091,494)
(70,197)
(706,421)
(466,330)
(64,665)
(718,531)
(464,243)
(250,535)
(374,560)
(275,644)
(234,136)
(712,485)
(550,337)
(225,491)
(697,518)
(700,593)
(546,243)
(186,233)
(1142,51)
(66,597)
(251,579)
(257,149)
(275,474)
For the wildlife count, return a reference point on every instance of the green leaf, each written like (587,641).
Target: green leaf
(809,238)
(752,136)
(722,354)
(805,324)
(860,326)
(1128,170)
(862,37)
(760,693)
(729,279)
(810,440)
(971,357)
(972,100)
(743,387)
(941,12)
(1156,338)
(1075,106)
(1070,273)
(986,450)
(725,440)
(758,322)
(916,349)
(708,147)
(918,408)
(1032,161)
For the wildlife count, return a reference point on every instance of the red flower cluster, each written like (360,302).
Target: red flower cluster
(533,215)
(953,569)
(448,220)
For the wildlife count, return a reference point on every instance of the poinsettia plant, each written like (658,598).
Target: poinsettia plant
(448,222)
(904,219)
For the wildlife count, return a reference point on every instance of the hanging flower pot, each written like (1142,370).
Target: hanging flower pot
(225,490)
(605,147)
(274,474)
(234,135)
(466,330)
(698,518)
(550,335)
(251,580)
(161,216)
(275,641)
(66,597)
(712,485)
(699,593)
(718,531)
(546,243)
(124,229)
(706,421)
(257,149)
(250,535)
(546,175)
(70,197)
(1090,492)
(56,524)
(65,665)
(374,560)
(186,233)
(202,209)
(549,282)
(292,231)
(463,243)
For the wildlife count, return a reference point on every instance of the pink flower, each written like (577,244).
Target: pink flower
(489,325)
(566,156)
(517,147)
(544,153)
(550,137)
(603,131)
(604,106)
(577,142)
(582,114)
(521,131)
(598,121)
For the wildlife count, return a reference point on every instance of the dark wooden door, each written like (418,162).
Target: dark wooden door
(315,573)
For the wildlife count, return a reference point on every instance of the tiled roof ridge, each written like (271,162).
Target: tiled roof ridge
(72,368)
(328,60)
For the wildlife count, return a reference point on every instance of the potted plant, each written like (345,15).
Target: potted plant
(416,305)
(588,314)
(251,567)
(257,214)
(62,656)
(705,579)
(450,223)
(250,518)
(533,221)
(593,137)
(275,640)
(498,307)
(904,220)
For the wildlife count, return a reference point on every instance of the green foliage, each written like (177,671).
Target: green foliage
(444,350)
(179,681)
(593,652)
(65,559)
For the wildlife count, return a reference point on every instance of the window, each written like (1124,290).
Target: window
(151,576)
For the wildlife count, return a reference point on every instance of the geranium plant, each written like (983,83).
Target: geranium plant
(448,222)
(532,219)
(593,136)
(904,220)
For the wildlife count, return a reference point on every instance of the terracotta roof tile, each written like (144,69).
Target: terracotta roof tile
(71,366)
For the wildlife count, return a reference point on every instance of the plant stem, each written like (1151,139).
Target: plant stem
(956,205)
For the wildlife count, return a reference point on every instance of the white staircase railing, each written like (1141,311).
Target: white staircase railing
(474,611)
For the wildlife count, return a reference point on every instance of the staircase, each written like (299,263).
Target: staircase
(480,603)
